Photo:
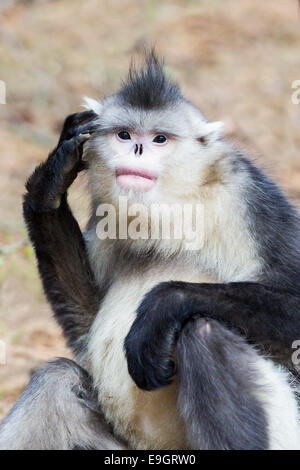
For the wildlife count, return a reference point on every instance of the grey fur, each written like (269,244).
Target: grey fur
(217,384)
(57,410)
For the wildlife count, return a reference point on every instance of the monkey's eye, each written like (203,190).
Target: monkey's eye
(160,139)
(124,135)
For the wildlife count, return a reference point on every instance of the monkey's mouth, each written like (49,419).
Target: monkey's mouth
(137,179)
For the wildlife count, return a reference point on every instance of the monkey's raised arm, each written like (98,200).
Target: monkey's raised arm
(63,264)
(264,315)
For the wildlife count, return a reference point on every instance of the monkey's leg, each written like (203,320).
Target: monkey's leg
(229,396)
(57,410)
(57,239)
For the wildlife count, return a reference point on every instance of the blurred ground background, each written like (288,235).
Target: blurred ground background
(235,59)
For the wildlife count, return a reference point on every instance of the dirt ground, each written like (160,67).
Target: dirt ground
(235,59)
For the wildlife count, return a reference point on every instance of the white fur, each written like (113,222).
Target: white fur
(280,404)
(91,104)
(214,130)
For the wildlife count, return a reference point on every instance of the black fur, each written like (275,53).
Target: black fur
(149,88)
(217,386)
(60,249)
(78,123)
(264,315)
(275,225)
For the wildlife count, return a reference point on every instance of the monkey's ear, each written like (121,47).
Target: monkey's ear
(211,132)
(91,104)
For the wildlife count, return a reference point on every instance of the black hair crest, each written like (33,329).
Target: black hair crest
(148,87)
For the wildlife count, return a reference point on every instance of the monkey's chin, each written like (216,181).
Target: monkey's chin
(135,182)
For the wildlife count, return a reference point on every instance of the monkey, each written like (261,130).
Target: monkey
(179,343)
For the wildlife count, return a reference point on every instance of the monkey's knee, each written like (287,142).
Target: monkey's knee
(217,389)
(229,395)
(57,410)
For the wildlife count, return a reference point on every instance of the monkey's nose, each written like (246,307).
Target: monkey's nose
(138,149)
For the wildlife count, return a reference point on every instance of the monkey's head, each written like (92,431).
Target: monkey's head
(152,145)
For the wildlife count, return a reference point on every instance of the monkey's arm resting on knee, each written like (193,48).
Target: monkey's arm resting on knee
(262,314)
(57,239)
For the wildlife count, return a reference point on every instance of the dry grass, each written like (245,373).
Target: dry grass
(236,60)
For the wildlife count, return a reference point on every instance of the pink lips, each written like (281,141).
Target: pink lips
(137,179)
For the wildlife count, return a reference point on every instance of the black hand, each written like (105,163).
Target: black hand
(150,342)
(51,179)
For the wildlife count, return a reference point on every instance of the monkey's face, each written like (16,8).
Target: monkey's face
(149,155)
(138,156)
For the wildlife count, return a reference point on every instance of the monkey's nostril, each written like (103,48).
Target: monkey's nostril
(136,148)
(141,149)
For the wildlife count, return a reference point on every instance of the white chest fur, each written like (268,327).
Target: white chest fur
(149,419)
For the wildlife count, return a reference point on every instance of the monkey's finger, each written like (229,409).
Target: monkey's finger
(87,128)
(69,153)
(84,137)
(77,123)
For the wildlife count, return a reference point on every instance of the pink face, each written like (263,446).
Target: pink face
(137,158)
